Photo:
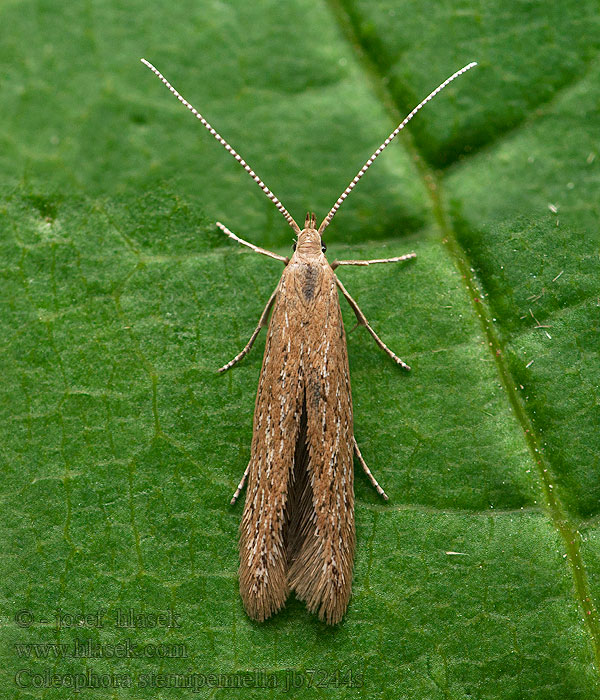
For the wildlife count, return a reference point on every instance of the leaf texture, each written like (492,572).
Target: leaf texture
(121,445)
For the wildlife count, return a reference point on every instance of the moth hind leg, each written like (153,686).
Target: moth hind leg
(240,485)
(368,472)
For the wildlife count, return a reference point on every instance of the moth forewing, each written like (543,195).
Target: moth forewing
(297,530)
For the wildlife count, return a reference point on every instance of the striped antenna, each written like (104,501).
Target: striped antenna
(394,133)
(288,217)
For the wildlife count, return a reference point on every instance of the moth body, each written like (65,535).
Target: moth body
(302,450)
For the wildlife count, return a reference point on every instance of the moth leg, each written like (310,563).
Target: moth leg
(253,247)
(261,323)
(241,485)
(373,480)
(362,320)
(401,258)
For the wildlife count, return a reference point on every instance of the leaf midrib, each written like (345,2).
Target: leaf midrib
(567,530)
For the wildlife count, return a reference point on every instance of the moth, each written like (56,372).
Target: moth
(297,531)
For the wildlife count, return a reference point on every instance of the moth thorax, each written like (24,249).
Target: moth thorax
(309,242)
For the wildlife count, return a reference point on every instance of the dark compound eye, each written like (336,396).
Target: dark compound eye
(294,246)
(323,247)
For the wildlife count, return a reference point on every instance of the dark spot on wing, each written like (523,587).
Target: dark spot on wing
(309,281)
(314,391)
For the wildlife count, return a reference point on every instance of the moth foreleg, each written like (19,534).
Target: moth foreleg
(241,485)
(253,247)
(373,480)
(362,320)
(263,322)
(401,258)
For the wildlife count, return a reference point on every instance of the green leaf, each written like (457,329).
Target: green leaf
(121,445)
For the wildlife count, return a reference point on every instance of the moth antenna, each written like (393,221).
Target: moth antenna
(394,133)
(287,216)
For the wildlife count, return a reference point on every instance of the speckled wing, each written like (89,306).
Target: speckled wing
(297,531)
(322,557)
(263,550)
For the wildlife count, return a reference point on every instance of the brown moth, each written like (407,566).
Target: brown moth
(297,531)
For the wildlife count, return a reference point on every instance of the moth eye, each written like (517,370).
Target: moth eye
(294,246)
(323,247)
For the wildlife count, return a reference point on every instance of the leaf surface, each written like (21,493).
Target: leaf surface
(121,445)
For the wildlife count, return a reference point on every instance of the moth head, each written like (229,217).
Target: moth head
(309,239)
